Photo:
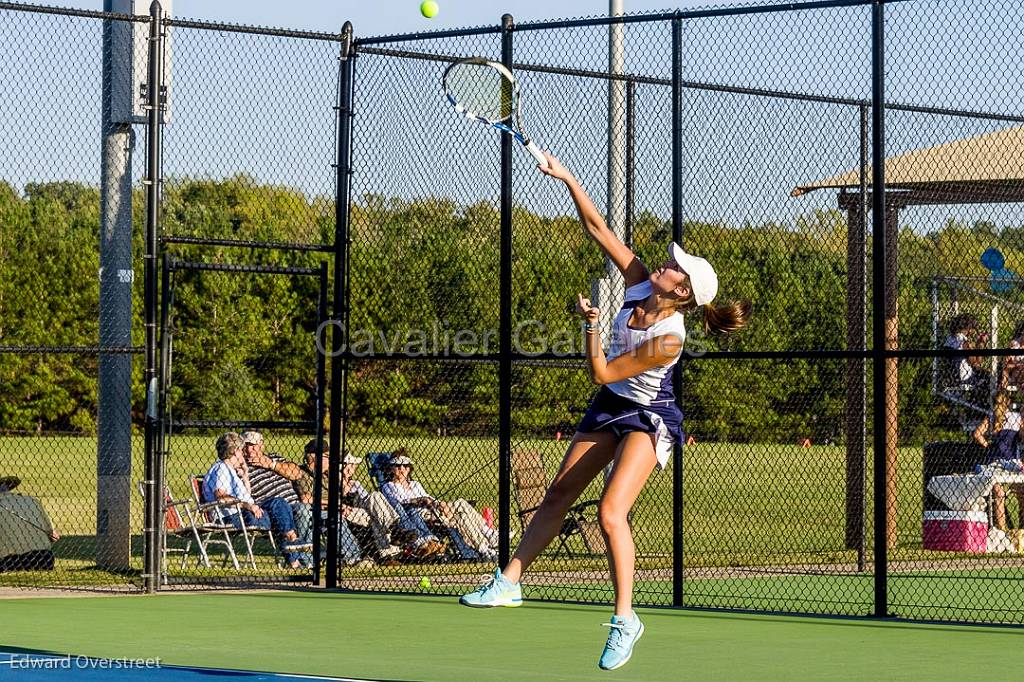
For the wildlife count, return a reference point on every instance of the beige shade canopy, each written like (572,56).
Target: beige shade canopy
(988,168)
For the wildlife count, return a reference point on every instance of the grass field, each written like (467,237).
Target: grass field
(755,506)
(402,637)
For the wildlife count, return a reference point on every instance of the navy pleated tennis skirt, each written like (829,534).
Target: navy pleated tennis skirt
(609,411)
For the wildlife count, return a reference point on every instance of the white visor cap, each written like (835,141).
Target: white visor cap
(703,279)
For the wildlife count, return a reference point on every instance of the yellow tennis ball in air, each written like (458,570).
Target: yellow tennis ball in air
(425,581)
(429,8)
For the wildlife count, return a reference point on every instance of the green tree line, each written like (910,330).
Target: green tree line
(423,278)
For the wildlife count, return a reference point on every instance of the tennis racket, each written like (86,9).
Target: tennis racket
(487,92)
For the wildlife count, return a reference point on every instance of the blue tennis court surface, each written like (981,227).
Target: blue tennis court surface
(52,667)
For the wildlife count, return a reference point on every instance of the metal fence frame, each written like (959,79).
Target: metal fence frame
(881,352)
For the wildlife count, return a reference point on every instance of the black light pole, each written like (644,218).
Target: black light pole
(879,283)
(338,363)
(630,161)
(321,391)
(677,236)
(505,325)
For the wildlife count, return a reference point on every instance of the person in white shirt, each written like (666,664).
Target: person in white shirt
(223,484)
(964,375)
(633,421)
(405,493)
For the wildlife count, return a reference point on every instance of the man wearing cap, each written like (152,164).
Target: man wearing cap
(348,546)
(26,534)
(269,478)
(368,514)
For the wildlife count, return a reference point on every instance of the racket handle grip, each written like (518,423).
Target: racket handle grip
(537,154)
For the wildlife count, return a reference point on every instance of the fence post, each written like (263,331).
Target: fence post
(879,282)
(154,135)
(505,325)
(630,198)
(321,390)
(342,173)
(856,339)
(677,236)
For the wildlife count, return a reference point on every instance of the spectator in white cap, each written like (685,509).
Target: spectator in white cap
(269,479)
(26,534)
(633,422)
(404,492)
(367,518)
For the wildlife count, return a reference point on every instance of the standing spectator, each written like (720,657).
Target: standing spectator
(1013,366)
(1002,443)
(963,380)
(964,375)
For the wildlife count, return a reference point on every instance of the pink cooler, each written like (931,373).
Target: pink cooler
(956,531)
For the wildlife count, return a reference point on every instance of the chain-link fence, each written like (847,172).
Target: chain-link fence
(141,319)
(448,263)
(757,154)
(70,340)
(248,215)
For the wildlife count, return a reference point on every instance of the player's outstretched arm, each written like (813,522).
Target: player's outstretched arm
(625,260)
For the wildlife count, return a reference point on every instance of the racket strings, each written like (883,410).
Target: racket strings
(479,90)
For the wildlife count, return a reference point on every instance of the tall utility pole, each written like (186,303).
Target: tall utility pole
(116,275)
(608,292)
(124,103)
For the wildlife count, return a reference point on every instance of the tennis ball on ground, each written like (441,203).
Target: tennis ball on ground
(424,581)
(429,8)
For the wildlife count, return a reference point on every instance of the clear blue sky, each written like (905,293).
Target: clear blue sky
(743,154)
(379,17)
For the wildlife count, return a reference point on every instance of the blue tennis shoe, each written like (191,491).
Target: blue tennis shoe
(621,639)
(497,591)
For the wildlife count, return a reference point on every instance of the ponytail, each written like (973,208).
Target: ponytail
(728,318)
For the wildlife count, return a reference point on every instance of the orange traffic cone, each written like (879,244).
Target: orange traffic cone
(690,440)
(805,443)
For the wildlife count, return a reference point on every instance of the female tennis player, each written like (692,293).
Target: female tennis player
(633,420)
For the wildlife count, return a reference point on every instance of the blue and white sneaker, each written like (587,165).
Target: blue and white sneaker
(621,639)
(496,591)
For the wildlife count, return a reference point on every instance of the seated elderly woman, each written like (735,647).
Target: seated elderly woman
(402,491)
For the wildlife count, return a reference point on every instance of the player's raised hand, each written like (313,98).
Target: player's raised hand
(585,310)
(555,168)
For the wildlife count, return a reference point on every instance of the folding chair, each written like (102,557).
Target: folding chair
(177,526)
(529,483)
(215,514)
(377,464)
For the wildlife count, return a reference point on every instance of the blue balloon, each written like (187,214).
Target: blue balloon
(993,259)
